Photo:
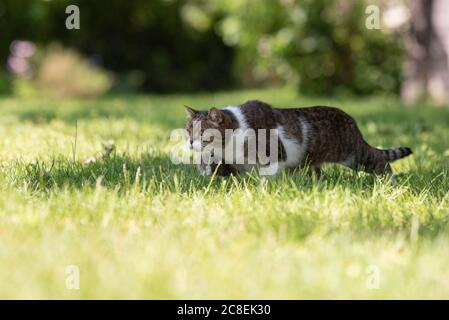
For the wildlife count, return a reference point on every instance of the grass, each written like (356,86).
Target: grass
(136,225)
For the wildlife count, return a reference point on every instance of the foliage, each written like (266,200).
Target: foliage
(324,46)
(144,38)
(321,46)
(64,73)
(138,226)
(5,83)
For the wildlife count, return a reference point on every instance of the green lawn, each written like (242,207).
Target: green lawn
(138,226)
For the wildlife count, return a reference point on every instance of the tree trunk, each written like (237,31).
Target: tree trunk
(427,67)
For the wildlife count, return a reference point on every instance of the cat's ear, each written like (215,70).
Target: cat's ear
(190,111)
(215,115)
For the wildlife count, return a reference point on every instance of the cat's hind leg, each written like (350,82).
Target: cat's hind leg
(373,162)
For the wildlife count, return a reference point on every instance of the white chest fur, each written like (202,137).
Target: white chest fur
(236,143)
(295,150)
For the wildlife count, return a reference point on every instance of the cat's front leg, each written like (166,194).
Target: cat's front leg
(204,169)
(205,164)
(272,169)
(220,169)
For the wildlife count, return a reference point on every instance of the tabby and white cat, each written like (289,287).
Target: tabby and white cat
(306,136)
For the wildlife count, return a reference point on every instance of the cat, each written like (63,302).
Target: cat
(310,136)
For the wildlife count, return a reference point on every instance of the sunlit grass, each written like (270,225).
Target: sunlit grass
(139,226)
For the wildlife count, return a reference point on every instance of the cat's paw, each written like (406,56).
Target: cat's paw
(205,170)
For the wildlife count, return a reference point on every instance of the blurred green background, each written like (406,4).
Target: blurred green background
(139,226)
(319,47)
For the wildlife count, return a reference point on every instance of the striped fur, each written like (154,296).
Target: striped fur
(309,136)
(391,155)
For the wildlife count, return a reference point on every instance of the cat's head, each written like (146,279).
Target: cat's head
(205,127)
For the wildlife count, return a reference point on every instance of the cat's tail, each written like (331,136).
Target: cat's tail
(391,155)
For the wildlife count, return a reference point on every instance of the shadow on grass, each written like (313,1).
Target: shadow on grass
(155,174)
(148,173)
